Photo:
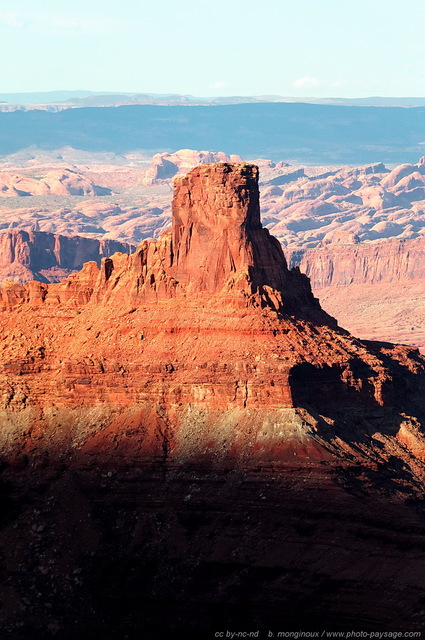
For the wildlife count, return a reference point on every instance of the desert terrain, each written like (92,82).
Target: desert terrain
(357,232)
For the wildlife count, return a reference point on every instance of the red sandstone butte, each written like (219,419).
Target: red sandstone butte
(202,344)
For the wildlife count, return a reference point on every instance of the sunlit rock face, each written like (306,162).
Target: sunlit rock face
(48,257)
(207,319)
(205,322)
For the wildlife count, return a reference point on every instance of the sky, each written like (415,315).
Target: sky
(299,48)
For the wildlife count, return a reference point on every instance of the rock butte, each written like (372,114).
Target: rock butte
(353,230)
(190,443)
(200,344)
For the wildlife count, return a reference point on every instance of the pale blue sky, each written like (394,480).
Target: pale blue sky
(322,48)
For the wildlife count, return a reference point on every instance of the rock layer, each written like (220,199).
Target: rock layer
(374,289)
(48,257)
(391,261)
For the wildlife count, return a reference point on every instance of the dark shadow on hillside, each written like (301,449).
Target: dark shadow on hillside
(346,410)
(124,552)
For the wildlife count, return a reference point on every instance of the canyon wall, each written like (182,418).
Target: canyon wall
(393,261)
(375,289)
(48,257)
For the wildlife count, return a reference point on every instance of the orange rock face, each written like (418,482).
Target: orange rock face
(204,323)
(217,236)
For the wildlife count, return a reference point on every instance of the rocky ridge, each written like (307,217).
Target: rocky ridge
(167,165)
(348,205)
(60,182)
(304,207)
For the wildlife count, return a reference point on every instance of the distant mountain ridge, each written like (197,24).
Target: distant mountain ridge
(300,133)
(116,98)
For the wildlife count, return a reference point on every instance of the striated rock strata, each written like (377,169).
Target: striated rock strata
(392,261)
(375,289)
(185,429)
(48,257)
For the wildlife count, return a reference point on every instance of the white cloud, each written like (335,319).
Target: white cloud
(339,83)
(306,82)
(58,22)
(219,84)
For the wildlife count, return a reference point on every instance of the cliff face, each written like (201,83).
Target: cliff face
(216,246)
(391,261)
(374,289)
(218,242)
(192,425)
(48,257)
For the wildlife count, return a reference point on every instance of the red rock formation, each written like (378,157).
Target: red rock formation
(358,234)
(391,261)
(374,289)
(208,317)
(217,237)
(216,244)
(186,426)
(61,182)
(167,165)
(47,257)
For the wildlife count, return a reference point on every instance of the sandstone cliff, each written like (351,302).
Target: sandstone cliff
(392,261)
(47,257)
(375,289)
